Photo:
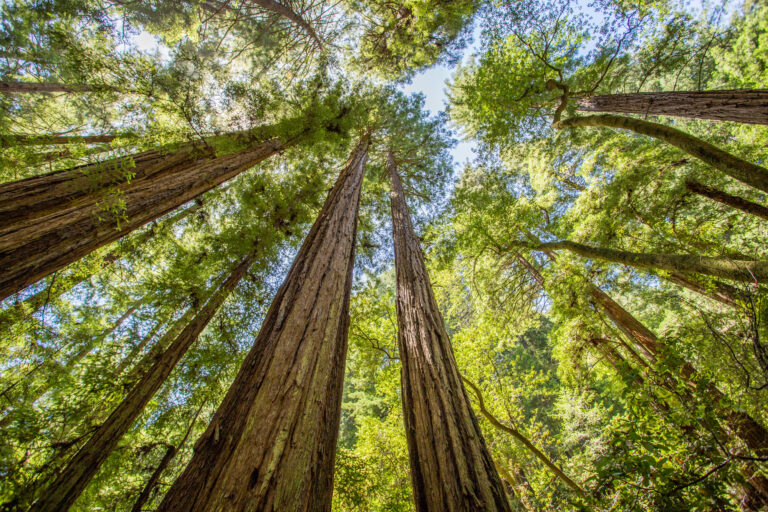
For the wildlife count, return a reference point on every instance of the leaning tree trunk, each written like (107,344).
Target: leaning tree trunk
(749,271)
(50,221)
(72,480)
(271,443)
(733,166)
(725,198)
(451,468)
(43,87)
(738,105)
(61,285)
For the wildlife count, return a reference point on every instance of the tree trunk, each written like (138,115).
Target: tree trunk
(7,141)
(42,87)
(60,286)
(272,441)
(72,480)
(749,271)
(50,221)
(737,168)
(737,202)
(720,292)
(740,105)
(170,453)
(451,468)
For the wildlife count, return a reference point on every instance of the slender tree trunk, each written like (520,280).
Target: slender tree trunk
(720,292)
(740,105)
(271,443)
(737,202)
(749,271)
(170,453)
(50,221)
(451,468)
(73,479)
(524,441)
(7,141)
(42,87)
(733,166)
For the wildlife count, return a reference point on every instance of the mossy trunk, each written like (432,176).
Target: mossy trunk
(41,87)
(749,271)
(50,221)
(738,105)
(272,442)
(451,468)
(733,166)
(72,480)
(736,202)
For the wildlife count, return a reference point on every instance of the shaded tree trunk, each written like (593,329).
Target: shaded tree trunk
(451,468)
(60,286)
(43,87)
(7,141)
(720,292)
(737,202)
(79,471)
(733,166)
(50,221)
(272,441)
(749,271)
(739,105)
(170,453)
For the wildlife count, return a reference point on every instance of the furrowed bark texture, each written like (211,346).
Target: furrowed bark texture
(72,480)
(451,468)
(38,87)
(749,271)
(738,105)
(49,221)
(731,165)
(737,202)
(272,442)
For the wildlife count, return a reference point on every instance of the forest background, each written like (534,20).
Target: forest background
(597,261)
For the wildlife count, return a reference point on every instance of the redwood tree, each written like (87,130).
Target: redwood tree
(451,468)
(738,105)
(271,443)
(52,220)
(73,479)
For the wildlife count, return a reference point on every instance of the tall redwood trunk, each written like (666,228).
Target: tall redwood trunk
(451,468)
(739,105)
(49,221)
(731,165)
(79,471)
(272,441)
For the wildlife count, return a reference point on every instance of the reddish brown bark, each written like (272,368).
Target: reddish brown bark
(272,441)
(451,468)
(72,480)
(49,221)
(737,202)
(739,105)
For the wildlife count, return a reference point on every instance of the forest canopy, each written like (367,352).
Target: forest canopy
(241,268)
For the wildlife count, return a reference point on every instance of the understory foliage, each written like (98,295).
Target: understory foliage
(555,379)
